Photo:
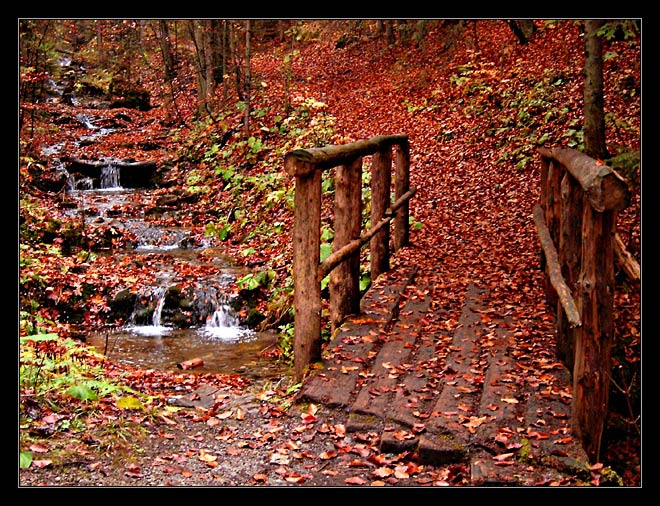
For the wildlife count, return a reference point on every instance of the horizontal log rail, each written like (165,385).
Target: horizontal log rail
(343,264)
(336,257)
(554,269)
(576,224)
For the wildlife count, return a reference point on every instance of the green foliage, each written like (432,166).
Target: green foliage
(50,364)
(221,229)
(25,459)
(254,281)
(621,29)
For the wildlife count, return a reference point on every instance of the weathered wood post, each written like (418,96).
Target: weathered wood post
(381,180)
(401,187)
(306,256)
(569,259)
(345,278)
(593,366)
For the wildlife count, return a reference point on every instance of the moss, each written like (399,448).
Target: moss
(523,454)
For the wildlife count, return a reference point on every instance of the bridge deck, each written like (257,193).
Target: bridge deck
(465,395)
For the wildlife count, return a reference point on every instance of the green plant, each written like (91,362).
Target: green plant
(49,363)
(254,281)
(221,229)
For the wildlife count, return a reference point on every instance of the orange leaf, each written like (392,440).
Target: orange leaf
(355,480)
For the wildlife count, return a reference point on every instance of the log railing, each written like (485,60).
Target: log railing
(343,264)
(576,224)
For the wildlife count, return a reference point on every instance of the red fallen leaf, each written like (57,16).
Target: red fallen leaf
(382,472)
(52,418)
(38,448)
(307,418)
(357,463)
(559,453)
(295,478)
(355,480)
(260,477)
(418,428)
(504,463)
(234,451)
(94,466)
(377,483)
(133,471)
(41,463)
(206,457)
(328,455)
(361,450)
(378,459)
(401,472)
(503,456)
(340,429)
(563,440)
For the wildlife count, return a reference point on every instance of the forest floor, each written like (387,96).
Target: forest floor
(477,228)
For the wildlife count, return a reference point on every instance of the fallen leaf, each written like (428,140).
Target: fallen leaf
(41,463)
(38,448)
(383,472)
(260,477)
(355,480)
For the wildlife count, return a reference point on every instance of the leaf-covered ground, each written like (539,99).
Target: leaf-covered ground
(475,104)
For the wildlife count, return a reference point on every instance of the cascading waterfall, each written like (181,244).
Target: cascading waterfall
(110,176)
(222,323)
(214,309)
(157,297)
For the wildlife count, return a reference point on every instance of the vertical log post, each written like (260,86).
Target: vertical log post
(345,278)
(569,259)
(401,186)
(306,256)
(591,373)
(381,179)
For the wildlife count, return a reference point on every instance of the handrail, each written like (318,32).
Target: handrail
(576,223)
(343,264)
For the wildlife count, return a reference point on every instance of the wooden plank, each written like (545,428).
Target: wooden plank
(570,243)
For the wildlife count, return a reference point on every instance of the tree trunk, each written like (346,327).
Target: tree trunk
(248,77)
(197,36)
(522,28)
(166,51)
(594,114)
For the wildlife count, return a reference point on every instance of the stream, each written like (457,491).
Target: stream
(153,337)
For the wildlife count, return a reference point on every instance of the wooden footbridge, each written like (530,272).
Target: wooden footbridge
(382,365)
